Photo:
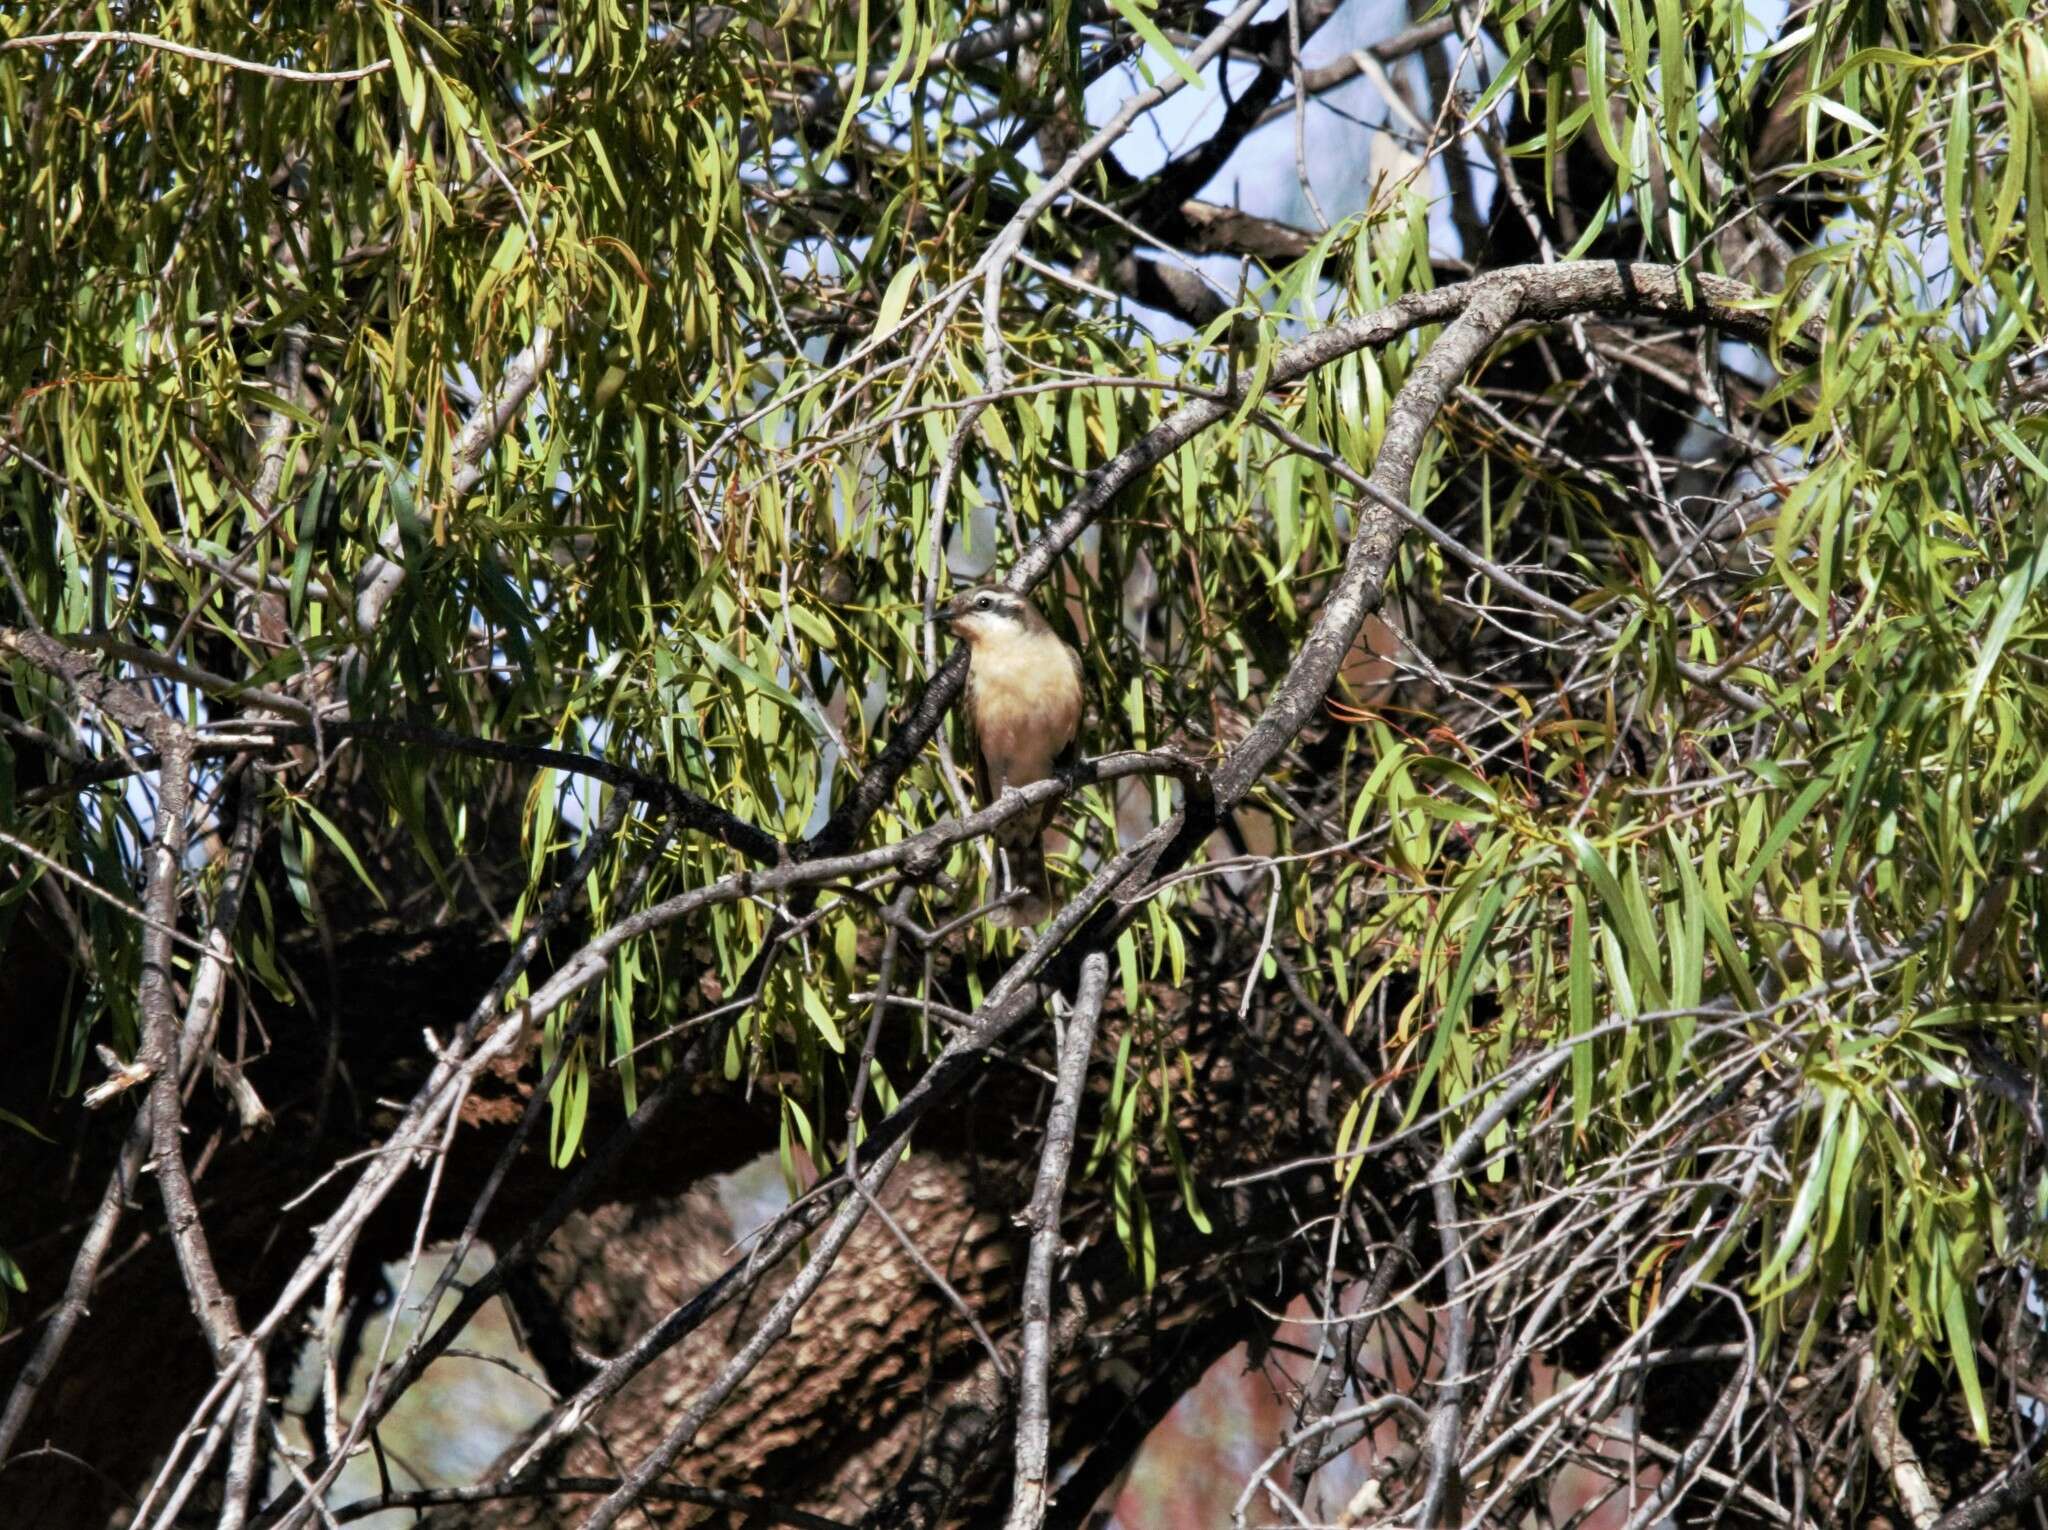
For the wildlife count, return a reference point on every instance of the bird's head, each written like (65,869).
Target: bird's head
(988,611)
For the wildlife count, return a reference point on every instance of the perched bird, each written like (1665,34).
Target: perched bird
(1023,711)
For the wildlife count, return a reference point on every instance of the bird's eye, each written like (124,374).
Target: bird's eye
(983,602)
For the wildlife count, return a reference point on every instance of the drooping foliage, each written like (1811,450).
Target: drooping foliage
(633,380)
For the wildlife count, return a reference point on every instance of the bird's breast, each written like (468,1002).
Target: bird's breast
(1027,706)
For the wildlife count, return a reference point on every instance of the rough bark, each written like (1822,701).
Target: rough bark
(829,1416)
(391,983)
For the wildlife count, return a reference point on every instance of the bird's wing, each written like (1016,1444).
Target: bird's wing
(973,742)
(1070,756)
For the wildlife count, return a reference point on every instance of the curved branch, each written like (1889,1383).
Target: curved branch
(203,55)
(1543,292)
(1482,309)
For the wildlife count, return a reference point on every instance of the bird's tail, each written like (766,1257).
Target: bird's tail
(1020,864)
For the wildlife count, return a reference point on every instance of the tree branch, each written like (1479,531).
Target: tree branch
(1326,77)
(756,1510)
(1890,1448)
(1027,1507)
(272,735)
(381,574)
(47,40)
(1483,308)
(209,986)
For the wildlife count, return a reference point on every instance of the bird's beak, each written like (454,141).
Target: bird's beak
(949,613)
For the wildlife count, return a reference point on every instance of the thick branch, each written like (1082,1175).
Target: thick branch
(80,676)
(209,987)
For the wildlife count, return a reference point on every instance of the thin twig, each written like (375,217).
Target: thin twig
(1034,1424)
(203,55)
(755,1509)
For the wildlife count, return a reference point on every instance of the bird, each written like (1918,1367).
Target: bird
(1022,709)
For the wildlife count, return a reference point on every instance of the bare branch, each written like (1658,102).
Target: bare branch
(381,574)
(1890,1448)
(1027,1506)
(48,40)
(754,1509)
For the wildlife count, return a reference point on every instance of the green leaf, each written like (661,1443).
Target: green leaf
(340,842)
(1819,1173)
(570,1098)
(1781,831)
(1581,1006)
(2014,591)
(1133,11)
(896,299)
(767,685)
(1958,166)
(11,1119)
(821,1017)
(1621,913)
(1962,1341)
(1452,1016)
